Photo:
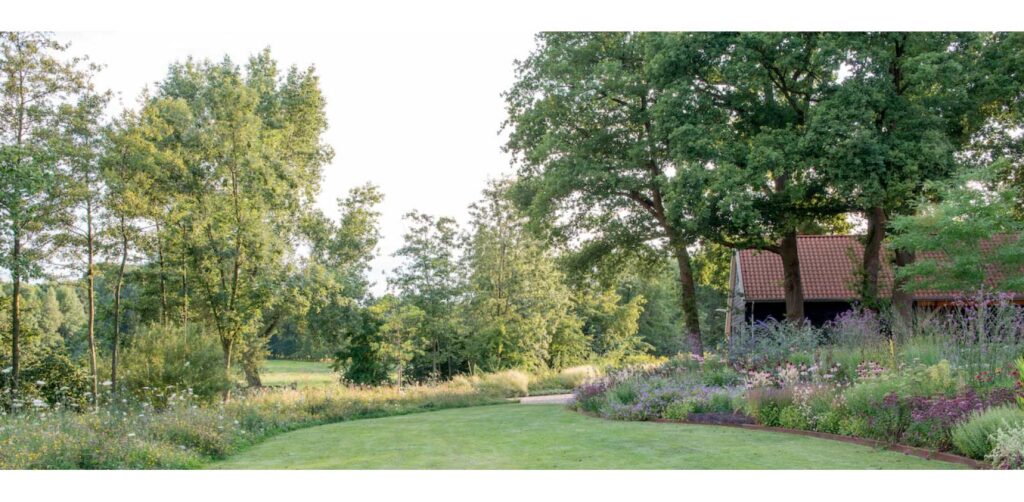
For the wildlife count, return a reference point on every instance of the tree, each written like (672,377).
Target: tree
(593,155)
(966,239)
(739,106)
(84,190)
(35,82)
(72,316)
(250,161)
(432,281)
(50,316)
(398,335)
(516,298)
(895,122)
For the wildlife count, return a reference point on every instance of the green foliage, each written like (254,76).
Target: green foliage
(974,437)
(766,404)
(679,410)
(517,299)
(55,379)
(972,230)
(432,281)
(163,361)
(612,191)
(791,417)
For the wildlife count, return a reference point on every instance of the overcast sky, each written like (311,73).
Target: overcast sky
(417,114)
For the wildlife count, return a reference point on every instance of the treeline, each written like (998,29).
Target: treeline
(661,144)
(493,296)
(137,244)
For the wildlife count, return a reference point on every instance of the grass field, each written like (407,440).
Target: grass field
(303,373)
(552,437)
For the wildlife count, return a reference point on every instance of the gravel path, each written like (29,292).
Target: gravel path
(552,399)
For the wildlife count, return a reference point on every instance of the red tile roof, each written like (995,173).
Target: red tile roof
(828,267)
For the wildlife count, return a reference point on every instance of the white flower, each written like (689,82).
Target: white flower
(7,370)
(40,383)
(107,383)
(131,434)
(38,403)
(187,363)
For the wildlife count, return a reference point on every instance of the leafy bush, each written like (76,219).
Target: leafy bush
(1007,448)
(791,417)
(509,383)
(973,438)
(163,361)
(56,381)
(679,410)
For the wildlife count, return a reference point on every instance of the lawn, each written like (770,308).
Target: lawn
(303,373)
(552,437)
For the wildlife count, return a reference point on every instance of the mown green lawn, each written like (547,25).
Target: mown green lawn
(552,437)
(303,373)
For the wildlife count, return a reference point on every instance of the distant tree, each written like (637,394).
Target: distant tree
(432,280)
(72,316)
(399,338)
(611,325)
(517,300)
(51,317)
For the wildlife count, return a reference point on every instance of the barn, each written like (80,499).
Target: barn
(828,268)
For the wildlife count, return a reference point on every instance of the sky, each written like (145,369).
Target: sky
(417,114)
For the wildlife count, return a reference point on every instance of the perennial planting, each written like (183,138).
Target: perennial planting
(951,383)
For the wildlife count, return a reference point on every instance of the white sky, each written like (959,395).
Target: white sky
(417,114)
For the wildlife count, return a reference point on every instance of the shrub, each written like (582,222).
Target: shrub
(973,438)
(166,360)
(791,417)
(679,410)
(508,383)
(56,381)
(1007,448)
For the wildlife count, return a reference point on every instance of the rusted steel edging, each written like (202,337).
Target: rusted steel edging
(907,450)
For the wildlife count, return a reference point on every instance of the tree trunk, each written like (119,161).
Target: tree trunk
(163,276)
(252,373)
(792,283)
(903,300)
(91,278)
(872,260)
(688,299)
(117,307)
(16,317)
(227,345)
